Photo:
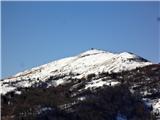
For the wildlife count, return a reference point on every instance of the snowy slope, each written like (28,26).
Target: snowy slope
(91,61)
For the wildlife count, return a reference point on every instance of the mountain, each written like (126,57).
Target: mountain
(94,85)
(89,62)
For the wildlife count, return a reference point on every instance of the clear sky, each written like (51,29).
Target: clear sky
(34,33)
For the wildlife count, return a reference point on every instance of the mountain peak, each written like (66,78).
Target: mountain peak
(123,55)
(92,51)
(128,55)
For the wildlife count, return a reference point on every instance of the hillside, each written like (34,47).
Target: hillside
(94,85)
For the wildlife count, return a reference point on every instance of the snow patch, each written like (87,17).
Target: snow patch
(6,89)
(101,83)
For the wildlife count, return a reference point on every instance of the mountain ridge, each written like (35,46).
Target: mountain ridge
(88,62)
(83,54)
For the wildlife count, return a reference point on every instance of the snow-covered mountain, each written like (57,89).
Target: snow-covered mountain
(93,85)
(77,67)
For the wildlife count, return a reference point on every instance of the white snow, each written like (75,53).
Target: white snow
(156,106)
(91,52)
(100,83)
(5,89)
(92,61)
(127,55)
(59,82)
(18,92)
(155,103)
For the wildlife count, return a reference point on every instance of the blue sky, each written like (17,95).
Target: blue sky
(34,33)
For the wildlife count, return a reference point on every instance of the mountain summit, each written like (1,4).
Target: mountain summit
(89,62)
